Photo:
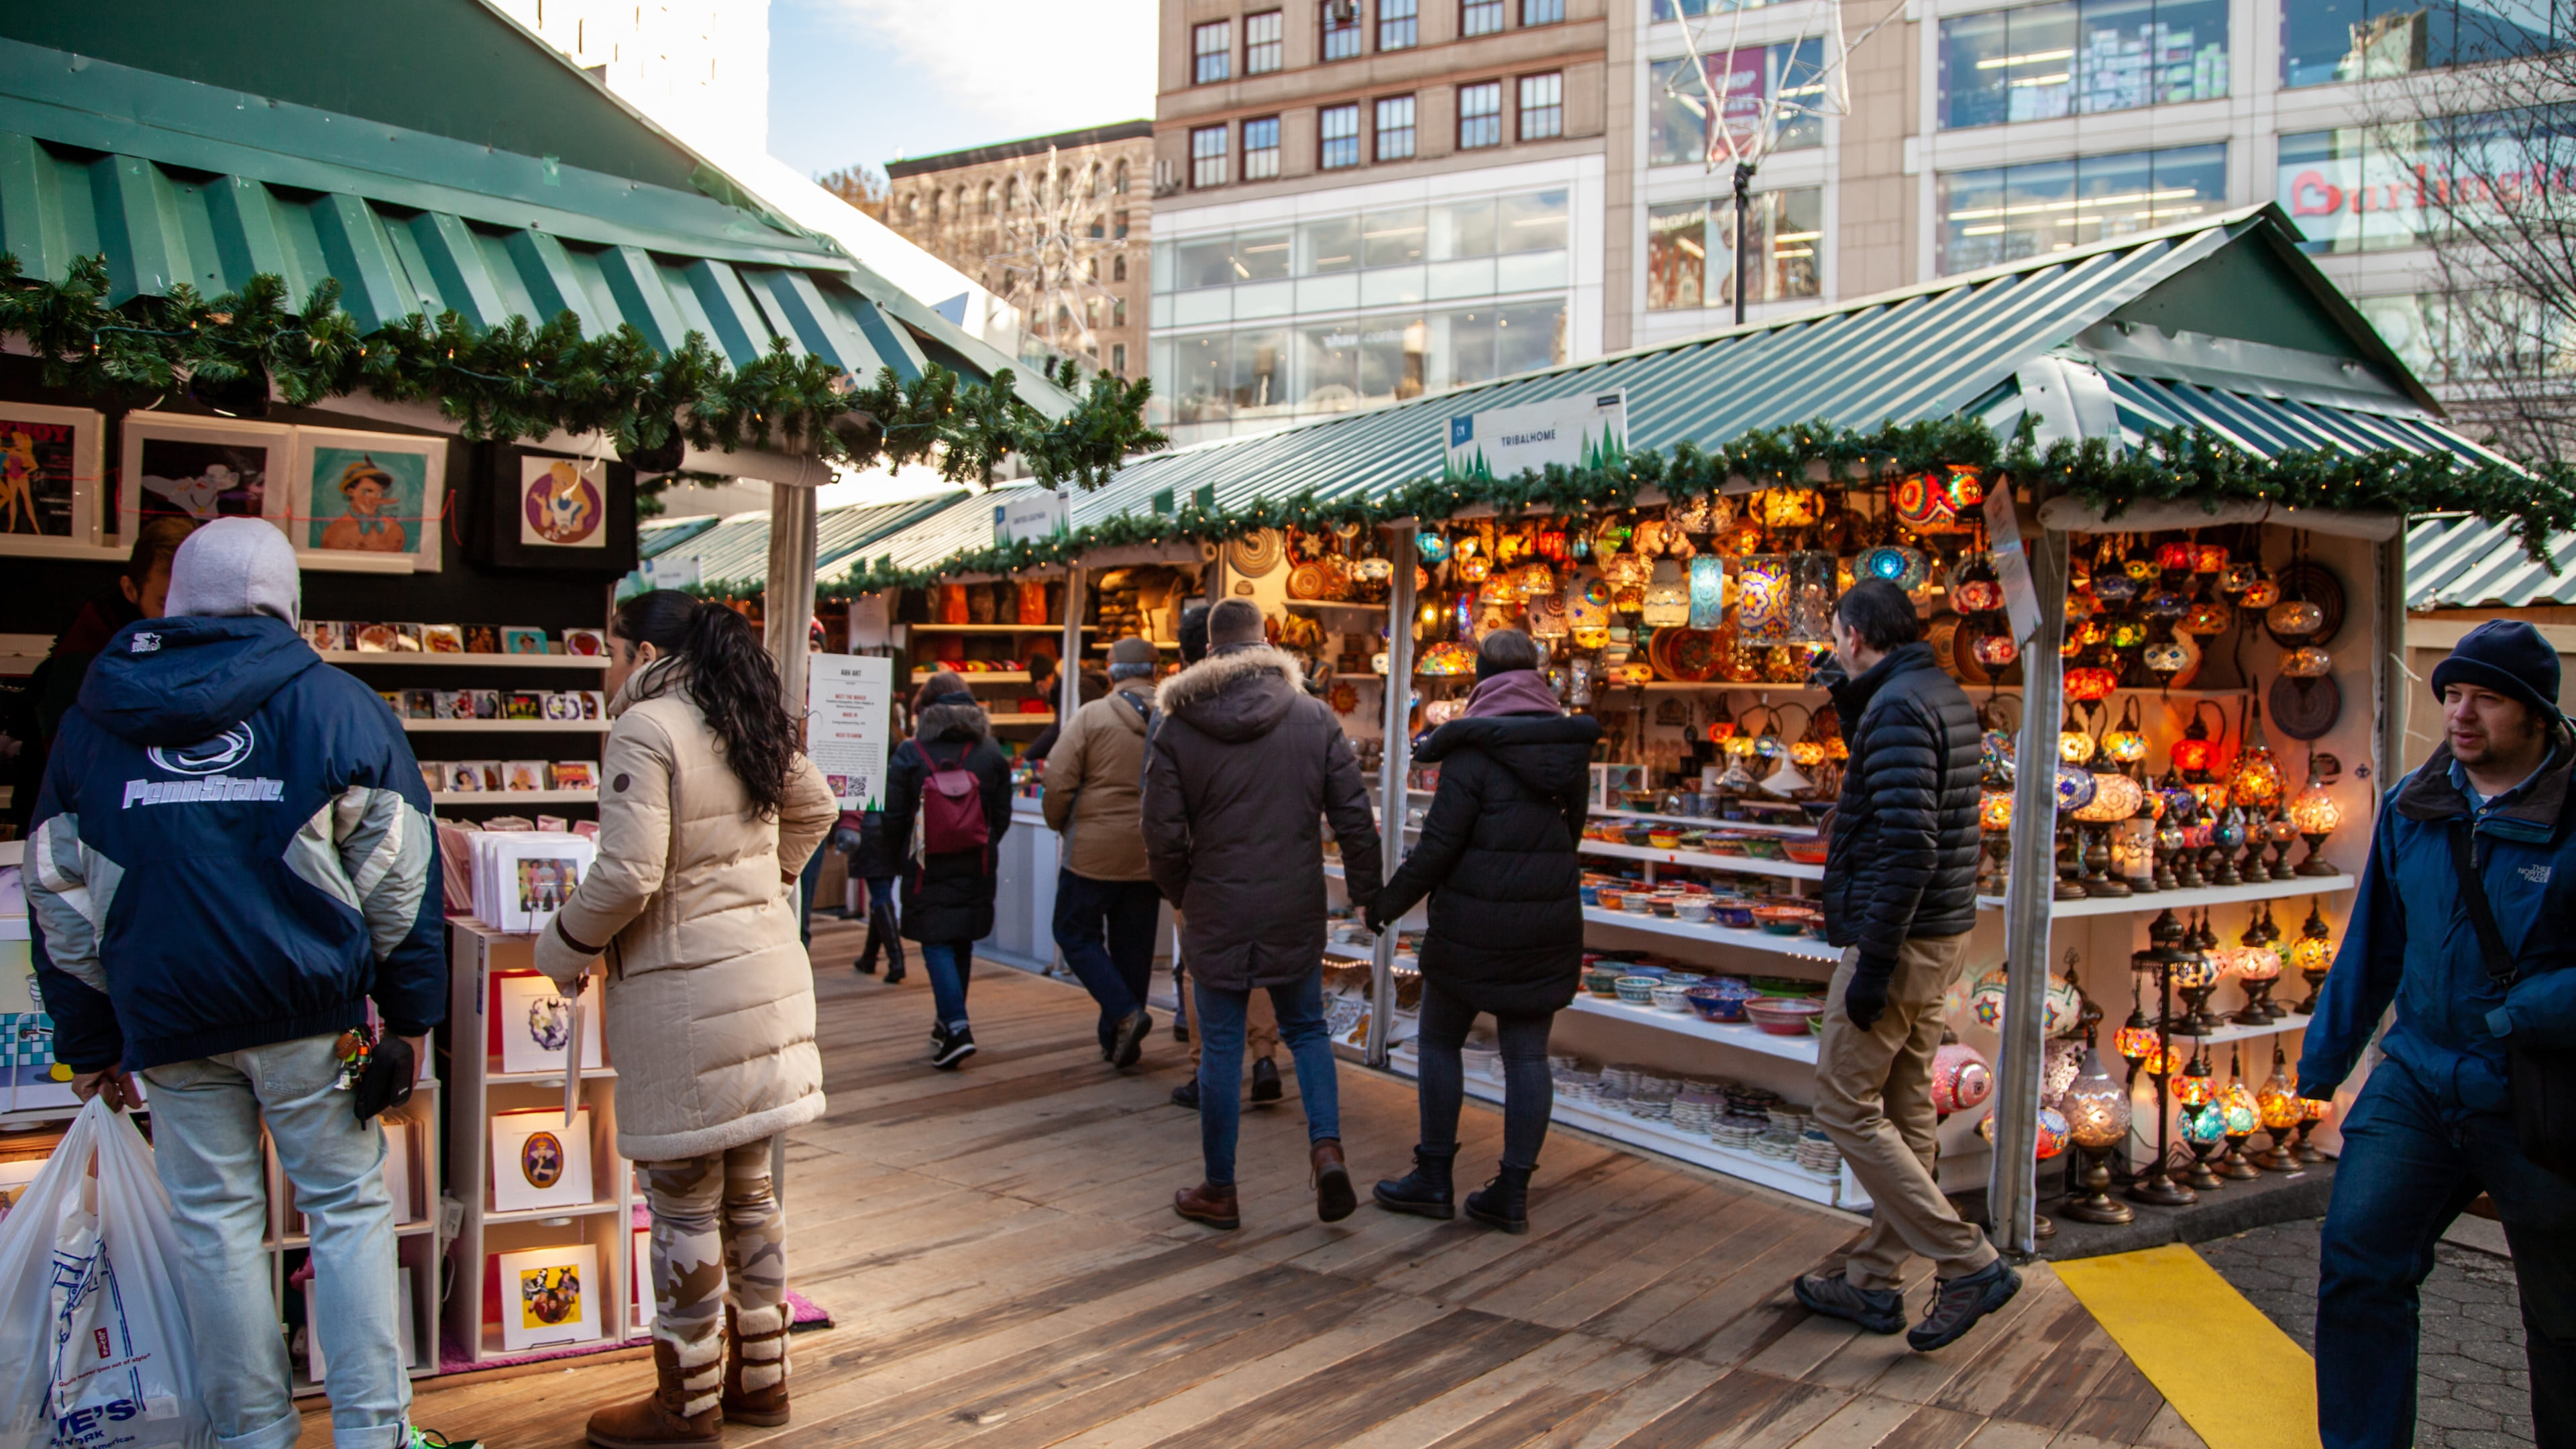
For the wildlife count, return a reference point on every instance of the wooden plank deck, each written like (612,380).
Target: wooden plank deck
(997,1249)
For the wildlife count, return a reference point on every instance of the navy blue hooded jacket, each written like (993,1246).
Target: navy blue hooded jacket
(232,848)
(2410,940)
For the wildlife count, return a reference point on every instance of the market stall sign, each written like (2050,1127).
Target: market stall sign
(1590,431)
(1032,516)
(851,696)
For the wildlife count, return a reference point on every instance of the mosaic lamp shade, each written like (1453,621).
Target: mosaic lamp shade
(2096,1107)
(1668,598)
(1707,591)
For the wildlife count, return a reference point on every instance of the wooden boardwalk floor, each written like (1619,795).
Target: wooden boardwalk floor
(997,1248)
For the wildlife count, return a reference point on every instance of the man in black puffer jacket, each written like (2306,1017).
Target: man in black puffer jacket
(1900,899)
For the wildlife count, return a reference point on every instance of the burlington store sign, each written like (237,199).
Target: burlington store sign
(2344,186)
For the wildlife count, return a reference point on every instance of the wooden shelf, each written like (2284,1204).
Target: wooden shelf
(1806,948)
(2188,900)
(1700,859)
(513,797)
(1703,822)
(1016,676)
(1056,628)
(1303,606)
(1019,719)
(506,726)
(468,661)
(1742,1036)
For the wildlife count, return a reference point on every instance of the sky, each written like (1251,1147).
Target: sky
(871,81)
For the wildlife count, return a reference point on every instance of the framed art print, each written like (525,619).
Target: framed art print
(549,1296)
(537,1162)
(367,502)
(563,502)
(202,468)
(552,511)
(534,1022)
(50,479)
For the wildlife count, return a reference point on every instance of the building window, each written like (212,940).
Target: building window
(1207,157)
(2325,41)
(1118,267)
(1212,51)
(1118,312)
(1395,129)
(1480,17)
(1337,129)
(1542,12)
(2081,57)
(1480,115)
(1677,124)
(1118,358)
(1261,149)
(1118,224)
(1342,32)
(1262,53)
(2375,188)
(1398,24)
(1690,250)
(2007,213)
(1542,106)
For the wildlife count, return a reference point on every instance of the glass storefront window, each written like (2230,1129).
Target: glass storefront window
(1528,338)
(1392,238)
(1676,256)
(1205,381)
(2325,41)
(1690,250)
(1260,373)
(1328,364)
(1331,245)
(1462,229)
(1533,221)
(1790,74)
(2374,188)
(1391,358)
(1261,256)
(1466,346)
(2041,62)
(2007,213)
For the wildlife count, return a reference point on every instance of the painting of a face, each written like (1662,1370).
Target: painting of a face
(367,500)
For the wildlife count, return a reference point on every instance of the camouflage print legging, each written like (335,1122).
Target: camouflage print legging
(717,1237)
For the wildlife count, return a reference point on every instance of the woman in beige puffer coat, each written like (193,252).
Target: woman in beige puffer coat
(708,809)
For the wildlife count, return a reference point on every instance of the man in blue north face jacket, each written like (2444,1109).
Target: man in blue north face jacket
(231,855)
(2433,1127)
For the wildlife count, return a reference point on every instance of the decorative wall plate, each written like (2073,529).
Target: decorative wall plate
(2304,709)
(1255,553)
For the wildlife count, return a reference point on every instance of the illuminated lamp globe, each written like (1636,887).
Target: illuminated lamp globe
(1995,651)
(1627,571)
(2263,593)
(1432,548)
(2176,558)
(1707,592)
(2124,746)
(2209,558)
(2168,604)
(2089,684)
(1961,1078)
(2128,634)
(1994,811)
(2208,617)
(2052,1134)
(2167,658)
(2115,588)
(2243,1115)
(2096,1107)
(1591,636)
(2074,788)
(2204,1124)
(1741,746)
(2140,569)
(2238,576)
(2076,747)
(2116,797)
(2306,662)
(2195,1087)
(2257,780)
(2296,618)
(1837,749)
(1807,752)
(2197,969)
(1978,596)
(1785,507)
(2279,1104)
(2136,1041)
(2093,634)
(1668,597)
(2257,963)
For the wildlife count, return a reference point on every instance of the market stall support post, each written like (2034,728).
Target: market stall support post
(1394,763)
(790,599)
(1068,681)
(2013,1188)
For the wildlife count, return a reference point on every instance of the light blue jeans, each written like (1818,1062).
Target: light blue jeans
(205,1139)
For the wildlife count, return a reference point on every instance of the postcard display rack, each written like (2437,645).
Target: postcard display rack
(548,1252)
(1689,632)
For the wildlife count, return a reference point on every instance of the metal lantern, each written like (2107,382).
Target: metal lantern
(2126,745)
(1707,591)
(1765,610)
(1668,597)
(2087,685)
(2074,788)
(2207,617)
(1785,507)
(2306,662)
(1904,567)
(2295,618)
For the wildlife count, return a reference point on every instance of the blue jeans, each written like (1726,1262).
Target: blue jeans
(1106,930)
(881,893)
(1301,1025)
(205,1138)
(950,964)
(2406,1172)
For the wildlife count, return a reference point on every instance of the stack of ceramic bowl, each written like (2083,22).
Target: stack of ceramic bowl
(1736,1130)
(1623,1076)
(1696,1107)
(1609,1096)
(1482,1055)
(1817,1153)
(1576,1079)
(1635,990)
(1788,1125)
(1671,998)
(1747,1101)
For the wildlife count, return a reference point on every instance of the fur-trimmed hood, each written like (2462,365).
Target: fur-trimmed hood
(953,717)
(1234,694)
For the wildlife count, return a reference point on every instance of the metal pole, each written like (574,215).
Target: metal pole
(1743,201)
(2388,677)
(787,609)
(1395,762)
(2012,1190)
(1069,663)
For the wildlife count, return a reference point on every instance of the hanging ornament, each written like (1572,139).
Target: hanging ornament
(2126,745)
(2084,686)
(2238,576)
(1904,567)
(1785,507)
(2207,617)
(1667,601)
(1432,548)
(2295,618)
(2257,778)
(2306,662)
(1707,591)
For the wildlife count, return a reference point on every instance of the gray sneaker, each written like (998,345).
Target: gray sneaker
(1957,1304)
(1877,1309)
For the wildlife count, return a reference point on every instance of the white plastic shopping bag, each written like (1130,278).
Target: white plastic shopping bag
(94,1349)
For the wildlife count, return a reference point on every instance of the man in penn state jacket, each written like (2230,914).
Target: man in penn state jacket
(2434,1127)
(231,856)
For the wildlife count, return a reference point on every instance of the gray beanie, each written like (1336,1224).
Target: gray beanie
(235,567)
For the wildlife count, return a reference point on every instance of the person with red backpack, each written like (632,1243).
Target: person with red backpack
(947,806)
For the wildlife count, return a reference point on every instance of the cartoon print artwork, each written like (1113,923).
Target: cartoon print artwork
(371,524)
(203,480)
(561,504)
(19,472)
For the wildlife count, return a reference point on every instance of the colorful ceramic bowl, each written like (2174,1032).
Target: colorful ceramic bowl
(1781,1017)
(1638,990)
(1675,999)
(1738,914)
(1782,920)
(1602,982)
(1711,1004)
(1696,909)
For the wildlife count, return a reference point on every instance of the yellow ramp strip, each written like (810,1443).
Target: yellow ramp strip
(2183,1325)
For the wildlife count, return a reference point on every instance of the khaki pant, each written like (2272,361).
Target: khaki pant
(1874,1099)
(1260,1030)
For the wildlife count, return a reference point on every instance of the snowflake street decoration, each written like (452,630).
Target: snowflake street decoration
(1054,233)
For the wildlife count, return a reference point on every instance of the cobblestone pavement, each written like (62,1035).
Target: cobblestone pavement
(2472,1391)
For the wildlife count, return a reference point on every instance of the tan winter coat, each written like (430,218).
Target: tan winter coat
(1093,778)
(710,998)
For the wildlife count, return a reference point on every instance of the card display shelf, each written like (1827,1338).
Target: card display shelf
(506,726)
(1779,1174)
(467,661)
(2189,900)
(1020,719)
(475,953)
(990,676)
(497,798)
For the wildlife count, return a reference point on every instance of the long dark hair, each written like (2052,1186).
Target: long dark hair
(732,679)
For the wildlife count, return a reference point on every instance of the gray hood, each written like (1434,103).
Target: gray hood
(940,723)
(1239,693)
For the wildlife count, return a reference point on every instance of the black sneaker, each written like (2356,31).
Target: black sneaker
(1187,1094)
(1877,1309)
(1957,1304)
(955,1047)
(1129,1043)
(1265,1082)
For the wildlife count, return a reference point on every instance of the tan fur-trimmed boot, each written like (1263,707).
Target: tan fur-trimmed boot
(755,1381)
(683,1407)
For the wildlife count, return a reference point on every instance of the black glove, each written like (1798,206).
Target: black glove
(385,1081)
(1865,999)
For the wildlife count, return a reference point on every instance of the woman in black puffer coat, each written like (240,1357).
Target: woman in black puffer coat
(948,895)
(1497,855)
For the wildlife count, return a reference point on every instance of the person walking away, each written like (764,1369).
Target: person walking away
(2463,924)
(1106,907)
(707,811)
(1243,769)
(232,856)
(953,781)
(1497,857)
(874,863)
(1260,1025)
(1900,896)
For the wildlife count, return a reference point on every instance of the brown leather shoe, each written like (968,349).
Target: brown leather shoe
(1334,1199)
(1207,1203)
(663,1417)
(755,1381)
